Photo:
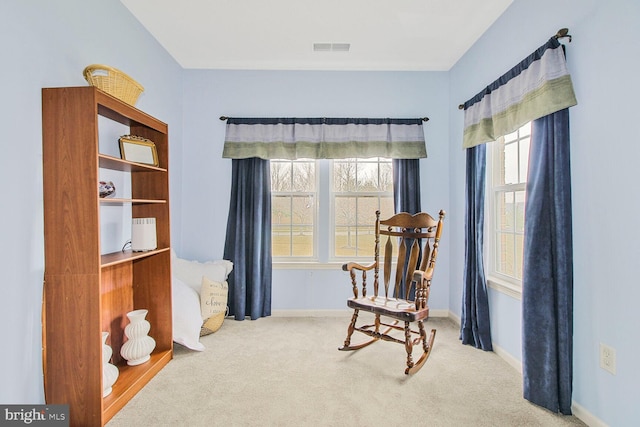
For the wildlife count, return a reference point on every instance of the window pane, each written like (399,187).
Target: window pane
(519,252)
(367,207)
(302,240)
(369,184)
(302,209)
(386,177)
(505,260)
(510,159)
(304,176)
(504,211)
(280,176)
(344,244)
(519,207)
(524,159)
(525,130)
(280,240)
(511,163)
(281,225)
(293,210)
(344,176)
(386,207)
(511,137)
(345,211)
(346,233)
(366,242)
(367,176)
(281,210)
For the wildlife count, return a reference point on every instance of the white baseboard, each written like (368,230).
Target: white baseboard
(586,417)
(507,357)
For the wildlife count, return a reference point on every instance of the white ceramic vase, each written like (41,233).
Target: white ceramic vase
(109,371)
(139,345)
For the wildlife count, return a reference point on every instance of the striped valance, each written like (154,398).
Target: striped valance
(536,87)
(323,138)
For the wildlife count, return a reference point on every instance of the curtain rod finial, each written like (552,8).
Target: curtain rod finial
(562,33)
(223,118)
(425,119)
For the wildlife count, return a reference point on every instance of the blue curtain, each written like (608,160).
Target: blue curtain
(538,89)
(248,239)
(406,185)
(475,328)
(547,289)
(406,198)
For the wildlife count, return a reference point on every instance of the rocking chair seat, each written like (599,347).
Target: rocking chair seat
(395,308)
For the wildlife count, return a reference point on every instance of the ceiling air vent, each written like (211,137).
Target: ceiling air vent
(331,47)
(322,47)
(340,47)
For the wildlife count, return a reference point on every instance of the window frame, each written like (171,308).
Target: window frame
(313,258)
(504,283)
(332,257)
(324,221)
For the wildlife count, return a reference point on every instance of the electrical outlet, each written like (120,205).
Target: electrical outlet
(608,358)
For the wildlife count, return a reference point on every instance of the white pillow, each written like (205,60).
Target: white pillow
(186,315)
(191,272)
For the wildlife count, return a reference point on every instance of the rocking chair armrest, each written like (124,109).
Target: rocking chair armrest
(421,276)
(355,266)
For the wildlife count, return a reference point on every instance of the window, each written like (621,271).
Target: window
(359,188)
(293,208)
(507,169)
(312,221)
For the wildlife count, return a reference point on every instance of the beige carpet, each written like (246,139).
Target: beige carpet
(280,371)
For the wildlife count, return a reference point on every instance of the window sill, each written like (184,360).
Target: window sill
(507,288)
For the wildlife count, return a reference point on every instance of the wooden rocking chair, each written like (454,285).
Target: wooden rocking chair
(409,232)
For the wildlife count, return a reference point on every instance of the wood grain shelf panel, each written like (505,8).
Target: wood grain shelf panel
(117,201)
(131,380)
(115,163)
(114,258)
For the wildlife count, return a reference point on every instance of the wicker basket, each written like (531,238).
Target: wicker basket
(213,323)
(114,82)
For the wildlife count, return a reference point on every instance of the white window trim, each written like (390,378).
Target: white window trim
(503,284)
(314,259)
(332,258)
(324,258)
(505,287)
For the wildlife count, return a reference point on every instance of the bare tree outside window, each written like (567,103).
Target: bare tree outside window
(293,199)
(360,187)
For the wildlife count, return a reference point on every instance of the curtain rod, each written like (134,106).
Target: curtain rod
(561,34)
(224,118)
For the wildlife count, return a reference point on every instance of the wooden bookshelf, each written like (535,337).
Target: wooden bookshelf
(85,291)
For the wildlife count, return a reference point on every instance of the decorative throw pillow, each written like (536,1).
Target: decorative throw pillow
(213,304)
(191,272)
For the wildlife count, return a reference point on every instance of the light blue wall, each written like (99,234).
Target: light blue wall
(603,59)
(206,179)
(47,44)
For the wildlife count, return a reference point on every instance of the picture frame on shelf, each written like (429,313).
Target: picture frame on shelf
(138,149)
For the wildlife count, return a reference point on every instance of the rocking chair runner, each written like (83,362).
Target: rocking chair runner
(405,230)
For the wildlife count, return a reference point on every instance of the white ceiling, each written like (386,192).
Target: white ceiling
(428,35)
